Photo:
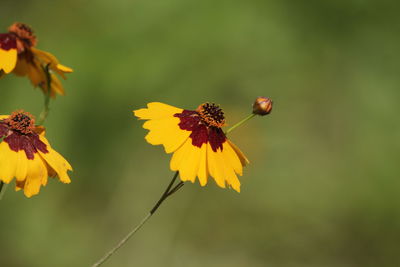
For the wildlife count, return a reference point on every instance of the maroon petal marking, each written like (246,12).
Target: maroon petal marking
(201,133)
(39,145)
(3,129)
(27,146)
(7,41)
(13,141)
(216,137)
(29,143)
(189,119)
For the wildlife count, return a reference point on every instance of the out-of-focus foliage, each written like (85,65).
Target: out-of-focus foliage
(323,185)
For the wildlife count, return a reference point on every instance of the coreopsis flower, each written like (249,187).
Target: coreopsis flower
(19,55)
(199,146)
(26,155)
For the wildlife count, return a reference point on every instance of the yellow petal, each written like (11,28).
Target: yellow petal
(45,178)
(64,68)
(232,158)
(47,58)
(190,161)
(56,86)
(37,171)
(230,176)
(57,162)
(8,162)
(21,68)
(8,60)
(221,170)
(21,167)
(178,155)
(166,132)
(36,74)
(240,154)
(44,56)
(2,117)
(156,110)
(214,166)
(233,164)
(202,173)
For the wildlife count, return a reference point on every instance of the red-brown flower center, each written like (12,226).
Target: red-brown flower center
(20,133)
(204,125)
(25,36)
(22,122)
(211,114)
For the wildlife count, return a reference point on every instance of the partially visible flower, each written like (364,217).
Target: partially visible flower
(26,154)
(19,55)
(195,137)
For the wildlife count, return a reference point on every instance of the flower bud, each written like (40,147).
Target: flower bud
(262,106)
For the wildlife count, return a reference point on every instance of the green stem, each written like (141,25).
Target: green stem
(165,194)
(45,112)
(168,192)
(176,188)
(240,123)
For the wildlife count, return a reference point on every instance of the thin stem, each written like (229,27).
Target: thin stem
(176,188)
(165,194)
(168,191)
(240,123)
(123,241)
(45,112)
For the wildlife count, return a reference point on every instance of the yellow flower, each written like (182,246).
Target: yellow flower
(199,146)
(19,55)
(26,154)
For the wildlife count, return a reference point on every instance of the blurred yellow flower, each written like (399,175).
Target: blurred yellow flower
(200,147)
(19,55)
(26,154)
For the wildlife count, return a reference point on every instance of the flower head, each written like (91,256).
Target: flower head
(24,36)
(26,154)
(19,55)
(199,146)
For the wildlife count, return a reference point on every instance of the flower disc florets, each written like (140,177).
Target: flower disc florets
(21,121)
(211,115)
(24,34)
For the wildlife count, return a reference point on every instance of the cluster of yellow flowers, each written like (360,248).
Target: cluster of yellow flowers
(25,153)
(200,147)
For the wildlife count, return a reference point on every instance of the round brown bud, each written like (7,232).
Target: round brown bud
(262,106)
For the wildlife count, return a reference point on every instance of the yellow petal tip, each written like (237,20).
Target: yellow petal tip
(64,68)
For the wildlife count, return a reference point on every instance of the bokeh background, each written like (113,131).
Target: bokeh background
(323,185)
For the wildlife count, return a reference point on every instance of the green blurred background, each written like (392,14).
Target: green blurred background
(323,185)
